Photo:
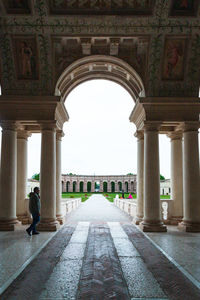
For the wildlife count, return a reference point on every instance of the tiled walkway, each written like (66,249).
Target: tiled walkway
(100,255)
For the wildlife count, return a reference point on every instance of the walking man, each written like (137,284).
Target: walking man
(34,208)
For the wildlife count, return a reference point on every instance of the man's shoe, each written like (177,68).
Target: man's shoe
(36,232)
(28,231)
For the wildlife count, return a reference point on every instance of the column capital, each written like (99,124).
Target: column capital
(190,126)
(51,126)
(23,134)
(59,135)
(9,125)
(139,135)
(175,135)
(151,126)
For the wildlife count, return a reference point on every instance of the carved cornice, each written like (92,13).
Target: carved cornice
(167,111)
(31,111)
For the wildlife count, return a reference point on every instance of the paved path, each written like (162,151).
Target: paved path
(100,255)
(98,208)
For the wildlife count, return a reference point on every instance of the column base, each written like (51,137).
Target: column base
(48,225)
(9,225)
(24,219)
(137,221)
(187,226)
(153,227)
(60,219)
(175,220)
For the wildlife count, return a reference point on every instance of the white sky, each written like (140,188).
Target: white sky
(99,139)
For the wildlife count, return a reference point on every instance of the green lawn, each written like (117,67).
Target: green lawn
(109,196)
(165,196)
(83,196)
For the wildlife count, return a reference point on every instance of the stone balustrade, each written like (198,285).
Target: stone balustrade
(130,207)
(68,205)
(71,204)
(127,205)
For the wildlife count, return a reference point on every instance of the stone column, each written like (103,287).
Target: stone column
(93,186)
(22,207)
(48,180)
(109,186)
(64,187)
(85,187)
(101,186)
(191,181)
(8,170)
(59,216)
(176,177)
(140,176)
(129,187)
(152,208)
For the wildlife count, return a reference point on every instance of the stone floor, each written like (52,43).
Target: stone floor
(98,254)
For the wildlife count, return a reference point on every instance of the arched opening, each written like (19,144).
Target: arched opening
(105,187)
(132,186)
(67,186)
(89,186)
(97,186)
(112,187)
(119,186)
(126,187)
(110,69)
(81,186)
(62,186)
(100,67)
(74,186)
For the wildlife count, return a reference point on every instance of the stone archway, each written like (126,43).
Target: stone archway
(100,67)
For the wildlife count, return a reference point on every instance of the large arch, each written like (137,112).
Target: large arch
(100,67)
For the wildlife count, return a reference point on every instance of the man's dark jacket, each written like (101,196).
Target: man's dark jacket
(34,203)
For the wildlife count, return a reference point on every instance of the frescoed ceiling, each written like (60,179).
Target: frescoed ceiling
(159,39)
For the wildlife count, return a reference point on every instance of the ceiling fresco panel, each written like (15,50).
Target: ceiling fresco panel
(184,7)
(17,6)
(109,7)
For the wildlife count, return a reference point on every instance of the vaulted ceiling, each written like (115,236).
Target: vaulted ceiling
(159,39)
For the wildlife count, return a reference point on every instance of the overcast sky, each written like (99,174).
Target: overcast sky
(99,138)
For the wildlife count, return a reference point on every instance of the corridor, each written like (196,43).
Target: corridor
(98,255)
